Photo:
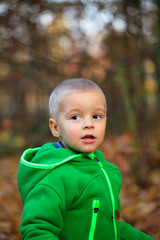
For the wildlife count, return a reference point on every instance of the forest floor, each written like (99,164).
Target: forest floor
(140,204)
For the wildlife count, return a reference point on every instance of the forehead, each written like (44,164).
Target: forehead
(86,98)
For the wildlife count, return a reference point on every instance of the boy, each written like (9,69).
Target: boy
(68,190)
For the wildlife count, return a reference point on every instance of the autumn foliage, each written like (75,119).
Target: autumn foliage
(114,43)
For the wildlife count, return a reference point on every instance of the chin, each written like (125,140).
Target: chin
(86,149)
(89,150)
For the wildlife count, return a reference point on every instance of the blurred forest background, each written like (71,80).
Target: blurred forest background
(115,43)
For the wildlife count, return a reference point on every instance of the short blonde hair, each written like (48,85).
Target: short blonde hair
(75,84)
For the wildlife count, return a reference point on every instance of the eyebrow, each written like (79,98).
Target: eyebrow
(73,110)
(103,109)
(79,110)
(100,108)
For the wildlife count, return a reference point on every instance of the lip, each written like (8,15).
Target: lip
(88,138)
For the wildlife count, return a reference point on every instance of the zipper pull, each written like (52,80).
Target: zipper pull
(96,206)
(96,210)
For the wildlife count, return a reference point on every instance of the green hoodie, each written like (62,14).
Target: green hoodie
(70,196)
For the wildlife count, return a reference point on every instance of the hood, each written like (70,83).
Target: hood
(36,163)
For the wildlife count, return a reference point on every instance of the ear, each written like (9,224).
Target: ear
(54,127)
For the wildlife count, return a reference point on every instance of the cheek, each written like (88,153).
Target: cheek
(68,131)
(73,131)
(102,130)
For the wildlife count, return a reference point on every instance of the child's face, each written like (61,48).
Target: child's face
(81,120)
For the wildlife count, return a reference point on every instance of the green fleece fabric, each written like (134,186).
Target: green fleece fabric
(58,188)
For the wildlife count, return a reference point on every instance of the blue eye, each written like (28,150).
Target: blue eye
(75,117)
(96,116)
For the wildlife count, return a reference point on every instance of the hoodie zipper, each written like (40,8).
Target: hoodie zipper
(95,208)
(92,156)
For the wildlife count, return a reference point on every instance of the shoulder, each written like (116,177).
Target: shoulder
(108,165)
(111,169)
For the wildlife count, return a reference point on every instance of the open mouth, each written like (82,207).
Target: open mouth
(89,138)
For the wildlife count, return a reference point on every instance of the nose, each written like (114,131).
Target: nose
(88,123)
